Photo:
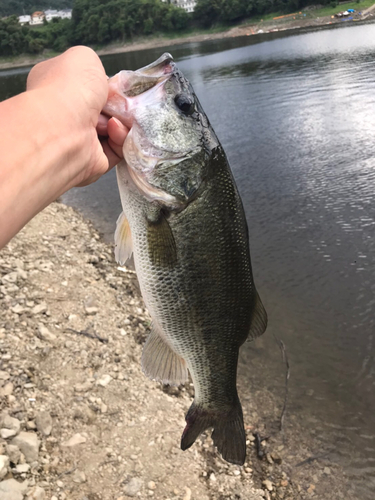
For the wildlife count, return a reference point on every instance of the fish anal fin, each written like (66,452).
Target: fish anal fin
(123,240)
(161,363)
(258,321)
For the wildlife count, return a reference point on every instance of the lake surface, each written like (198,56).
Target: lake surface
(296,117)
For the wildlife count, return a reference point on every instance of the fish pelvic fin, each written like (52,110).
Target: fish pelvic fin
(161,363)
(228,431)
(123,240)
(258,321)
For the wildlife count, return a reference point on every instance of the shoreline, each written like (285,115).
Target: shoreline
(78,416)
(266,27)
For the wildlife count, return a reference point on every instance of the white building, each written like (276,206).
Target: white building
(187,5)
(62,14)
(24,19)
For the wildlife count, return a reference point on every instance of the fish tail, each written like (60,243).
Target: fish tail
(228,431)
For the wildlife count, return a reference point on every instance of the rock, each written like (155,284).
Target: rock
(84,387)
(187,495)
(28,443)
(21,468)
(10,277)
(79,477)
(6,390)
(4,375)
(133,487)
(31,425)
(8,422)
(37,493)
(74,440)
(7,433)
(13,453)
(39,308)
(151,485)
(91,310)
(4,464)
(268,484)
(45,334)
(18,309)
(104,380)
(44,423)
(10,489)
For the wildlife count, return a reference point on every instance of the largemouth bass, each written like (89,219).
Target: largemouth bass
(184,222)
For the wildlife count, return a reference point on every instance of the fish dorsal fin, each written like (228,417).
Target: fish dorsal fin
(123,240)
(161,363)
(259,320)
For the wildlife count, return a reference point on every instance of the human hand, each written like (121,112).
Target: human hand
(72,90)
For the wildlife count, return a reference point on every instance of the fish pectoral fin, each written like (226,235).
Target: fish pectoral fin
(161,363)
(123,240)
(259,320)
(161,243)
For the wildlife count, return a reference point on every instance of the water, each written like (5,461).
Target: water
(296,116)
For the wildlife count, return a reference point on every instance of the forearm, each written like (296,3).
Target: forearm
(39,159)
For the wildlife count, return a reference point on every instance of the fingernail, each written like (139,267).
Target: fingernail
(118,122)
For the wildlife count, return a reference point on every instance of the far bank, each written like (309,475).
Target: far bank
(257,29)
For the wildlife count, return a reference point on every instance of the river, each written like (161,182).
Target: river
(296,116)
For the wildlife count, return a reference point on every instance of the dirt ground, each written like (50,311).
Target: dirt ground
(80,421)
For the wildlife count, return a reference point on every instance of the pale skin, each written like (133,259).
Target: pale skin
(53,136)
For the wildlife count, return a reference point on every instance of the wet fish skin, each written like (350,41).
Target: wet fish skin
(189,237)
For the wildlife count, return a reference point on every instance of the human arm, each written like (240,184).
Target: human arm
(49,136)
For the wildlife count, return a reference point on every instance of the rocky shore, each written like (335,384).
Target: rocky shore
(78,419)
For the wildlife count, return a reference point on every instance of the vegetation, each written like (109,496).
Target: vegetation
(103,21)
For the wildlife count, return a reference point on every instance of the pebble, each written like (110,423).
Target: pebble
(6,390)
(9,423)
(43,423)
(39,308)
(7,433)
(4,464)
(133,487)
(84,387)
(28,443)
(45,334)
(21,468)
(4,375)
(13,453)
(104,380)
(79,477)
(268,484)
(151,485)
(37,493)
(75,440)
(91,310)
(10,489)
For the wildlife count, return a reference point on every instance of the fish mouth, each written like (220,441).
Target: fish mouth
(126,86)
(127,90)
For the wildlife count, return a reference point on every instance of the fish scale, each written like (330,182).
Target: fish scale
(189,238)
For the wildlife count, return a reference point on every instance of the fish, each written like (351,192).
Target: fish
(184,223)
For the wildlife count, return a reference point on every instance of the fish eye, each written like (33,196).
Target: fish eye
(185,104)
